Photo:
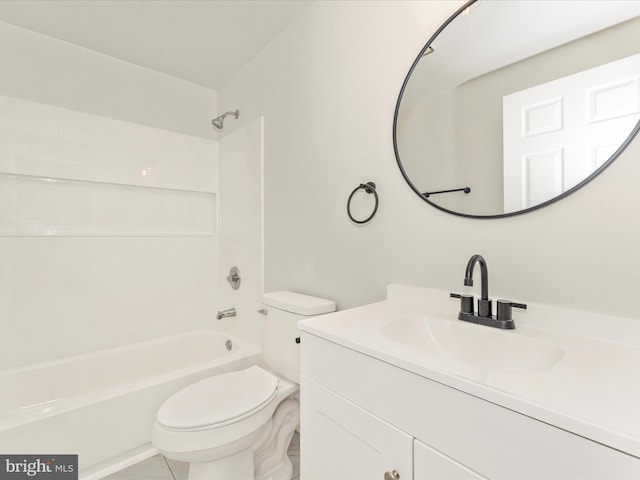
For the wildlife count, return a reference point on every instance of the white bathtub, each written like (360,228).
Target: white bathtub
(102,405)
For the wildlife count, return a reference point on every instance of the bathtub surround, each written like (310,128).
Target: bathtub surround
(328,124)
(100,161)
(107,232)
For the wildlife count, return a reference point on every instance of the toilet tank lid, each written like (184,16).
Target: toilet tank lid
(298,303)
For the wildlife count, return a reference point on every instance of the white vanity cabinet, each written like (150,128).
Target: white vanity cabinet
(343,441)
(362,417)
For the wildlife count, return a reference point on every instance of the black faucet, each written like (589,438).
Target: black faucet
(484,304)
(484,316)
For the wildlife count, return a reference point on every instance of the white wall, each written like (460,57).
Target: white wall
(327,88)
(108,230)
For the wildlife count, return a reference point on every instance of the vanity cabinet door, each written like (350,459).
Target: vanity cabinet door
(342,441)
(429,464)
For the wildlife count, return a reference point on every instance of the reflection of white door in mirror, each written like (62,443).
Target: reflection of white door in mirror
(557,134)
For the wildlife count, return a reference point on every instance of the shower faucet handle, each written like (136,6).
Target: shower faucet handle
(234,278)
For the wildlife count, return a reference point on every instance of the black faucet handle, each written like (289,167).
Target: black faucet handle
(504,309)
(466,302)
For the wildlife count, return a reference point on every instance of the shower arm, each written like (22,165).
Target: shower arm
(234,113)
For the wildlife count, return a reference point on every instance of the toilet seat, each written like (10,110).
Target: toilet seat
(218,401)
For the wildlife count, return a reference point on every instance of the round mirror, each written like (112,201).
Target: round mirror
(512,105)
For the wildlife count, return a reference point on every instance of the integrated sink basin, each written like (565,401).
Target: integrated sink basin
(477,345)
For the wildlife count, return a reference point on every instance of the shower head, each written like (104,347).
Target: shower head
(219,121)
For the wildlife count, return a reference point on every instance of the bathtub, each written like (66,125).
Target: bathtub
(102,405)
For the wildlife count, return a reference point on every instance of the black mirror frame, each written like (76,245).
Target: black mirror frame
(573,189)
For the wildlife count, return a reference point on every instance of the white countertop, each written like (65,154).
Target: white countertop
(591,389)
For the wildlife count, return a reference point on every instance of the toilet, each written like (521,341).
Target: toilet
(238,425)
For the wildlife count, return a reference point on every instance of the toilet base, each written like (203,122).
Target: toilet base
(270,458)
(236,467)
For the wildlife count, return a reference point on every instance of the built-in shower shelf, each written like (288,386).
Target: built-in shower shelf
(36,205)
(49,179)
(70,173)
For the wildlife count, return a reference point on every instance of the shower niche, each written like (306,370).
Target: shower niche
(68,173)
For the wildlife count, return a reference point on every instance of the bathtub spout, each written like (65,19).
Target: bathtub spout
(231,312)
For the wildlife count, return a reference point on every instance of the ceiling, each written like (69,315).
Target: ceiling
(202,41)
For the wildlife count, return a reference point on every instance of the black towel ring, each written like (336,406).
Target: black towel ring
(368,187)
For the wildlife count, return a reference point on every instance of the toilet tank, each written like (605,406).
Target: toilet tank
(283,310)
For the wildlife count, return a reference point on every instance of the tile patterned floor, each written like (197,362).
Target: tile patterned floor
(154,468)
(161,468)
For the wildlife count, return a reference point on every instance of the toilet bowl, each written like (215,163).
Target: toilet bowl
(238,425)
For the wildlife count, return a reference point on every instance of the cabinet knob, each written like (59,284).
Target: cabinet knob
(392,475)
